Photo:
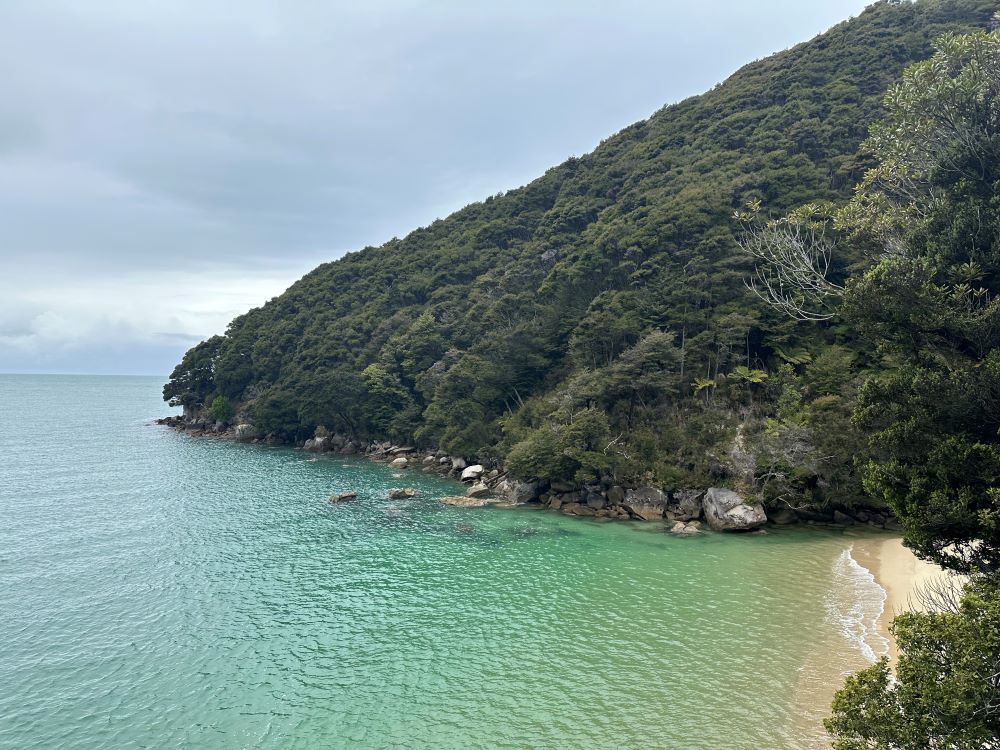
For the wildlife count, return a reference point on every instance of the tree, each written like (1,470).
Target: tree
(222,410)
(946,692)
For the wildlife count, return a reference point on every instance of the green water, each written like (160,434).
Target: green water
(162,591)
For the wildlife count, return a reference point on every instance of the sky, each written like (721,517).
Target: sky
(166,165)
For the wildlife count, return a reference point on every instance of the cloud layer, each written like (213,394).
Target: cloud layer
(165,165)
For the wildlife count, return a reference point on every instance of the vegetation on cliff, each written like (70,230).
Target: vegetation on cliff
(596,320)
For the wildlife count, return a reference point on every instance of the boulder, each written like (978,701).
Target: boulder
(616,495)
(428,460)
(471,473)
(399,463)
(245,432)
(685,505)
(646,503)
(402,493)
(343,497)
(595,500)
(559,486)
(516,492)
(684,529)
(458,464)
(479,489)
(463,502)
(727,511)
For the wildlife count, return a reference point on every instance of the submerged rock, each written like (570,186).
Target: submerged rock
(725,510)
(402,493)
(343,497)
(462,501)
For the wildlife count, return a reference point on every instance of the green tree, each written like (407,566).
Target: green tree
(222,410)
(946,691)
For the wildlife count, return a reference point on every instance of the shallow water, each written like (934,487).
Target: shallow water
(163,591)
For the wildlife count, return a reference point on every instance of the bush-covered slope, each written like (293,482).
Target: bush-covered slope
(596,320)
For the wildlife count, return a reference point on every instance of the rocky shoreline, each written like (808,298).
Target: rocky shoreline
(687,511)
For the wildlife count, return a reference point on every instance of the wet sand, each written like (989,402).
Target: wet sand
(900,573)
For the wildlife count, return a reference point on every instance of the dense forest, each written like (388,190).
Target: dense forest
(790,284)
(597,321)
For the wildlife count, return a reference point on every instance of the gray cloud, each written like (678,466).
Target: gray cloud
(175,142)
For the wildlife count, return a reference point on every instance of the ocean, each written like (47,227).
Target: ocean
(164,591)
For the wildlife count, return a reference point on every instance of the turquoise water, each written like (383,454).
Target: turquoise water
(163,591)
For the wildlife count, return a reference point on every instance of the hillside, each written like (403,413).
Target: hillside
(596,321)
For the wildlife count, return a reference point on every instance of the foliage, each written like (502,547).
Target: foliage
(946,691)
(607,294)
(222,410)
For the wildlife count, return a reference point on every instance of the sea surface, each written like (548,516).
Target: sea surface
(164,591)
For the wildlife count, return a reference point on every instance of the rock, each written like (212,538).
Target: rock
(245,432)
(399,463)
(646,503)
(493,474)
(595,500)
(472,472)
(685,505)
(308,444)
(616,495)
(516,492)
(465,502)
(349,450)
(479,489)
(783,516)
(558,486)
(400,450)
(727,511)
(685,529)
(555,503)
(842,518)
(428,460)
(404,493)
(458,464)
(343,497)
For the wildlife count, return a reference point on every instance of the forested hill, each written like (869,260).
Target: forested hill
(596,320)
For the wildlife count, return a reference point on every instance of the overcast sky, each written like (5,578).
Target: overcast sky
(164,166)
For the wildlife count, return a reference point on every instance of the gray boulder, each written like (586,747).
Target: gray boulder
(516,492)
(646,503)
(479,489)
(727,511)
(399,463)
(472,473)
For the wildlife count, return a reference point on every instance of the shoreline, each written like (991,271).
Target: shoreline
(900,573)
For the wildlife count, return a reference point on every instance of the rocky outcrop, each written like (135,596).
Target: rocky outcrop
(646,503)
(725,510)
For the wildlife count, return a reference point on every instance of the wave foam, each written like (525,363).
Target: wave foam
(855,603)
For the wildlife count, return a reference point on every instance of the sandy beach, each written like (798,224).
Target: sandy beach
(900,573)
